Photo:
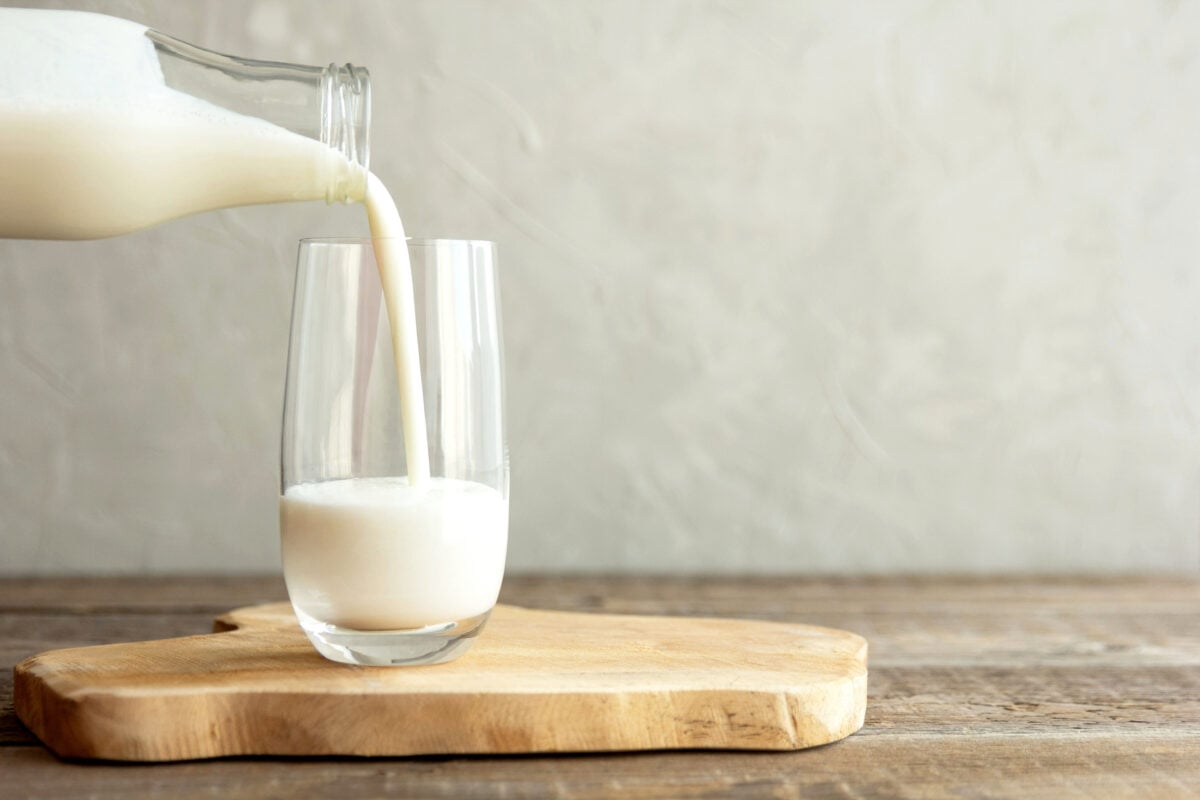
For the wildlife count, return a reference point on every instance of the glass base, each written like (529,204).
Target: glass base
(433,644)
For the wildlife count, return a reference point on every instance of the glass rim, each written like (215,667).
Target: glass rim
(411,240)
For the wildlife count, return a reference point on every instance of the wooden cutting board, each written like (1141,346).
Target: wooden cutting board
(534,682)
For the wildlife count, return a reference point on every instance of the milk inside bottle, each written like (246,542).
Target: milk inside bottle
(107,127)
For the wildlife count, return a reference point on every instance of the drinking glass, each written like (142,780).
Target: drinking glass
(382,570)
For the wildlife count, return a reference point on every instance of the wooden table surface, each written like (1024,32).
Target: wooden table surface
(1029,688)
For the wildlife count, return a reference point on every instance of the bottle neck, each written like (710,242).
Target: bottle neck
(346,125)
(331,104)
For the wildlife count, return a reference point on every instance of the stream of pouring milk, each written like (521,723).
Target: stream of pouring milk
(395,276)
(94,143)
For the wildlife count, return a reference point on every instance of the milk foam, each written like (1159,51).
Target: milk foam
(99,62)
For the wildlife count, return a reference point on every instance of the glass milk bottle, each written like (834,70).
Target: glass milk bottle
(108,127)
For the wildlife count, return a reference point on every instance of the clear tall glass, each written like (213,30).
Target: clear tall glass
(381,571)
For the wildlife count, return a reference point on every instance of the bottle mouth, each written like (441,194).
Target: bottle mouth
(346,125)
